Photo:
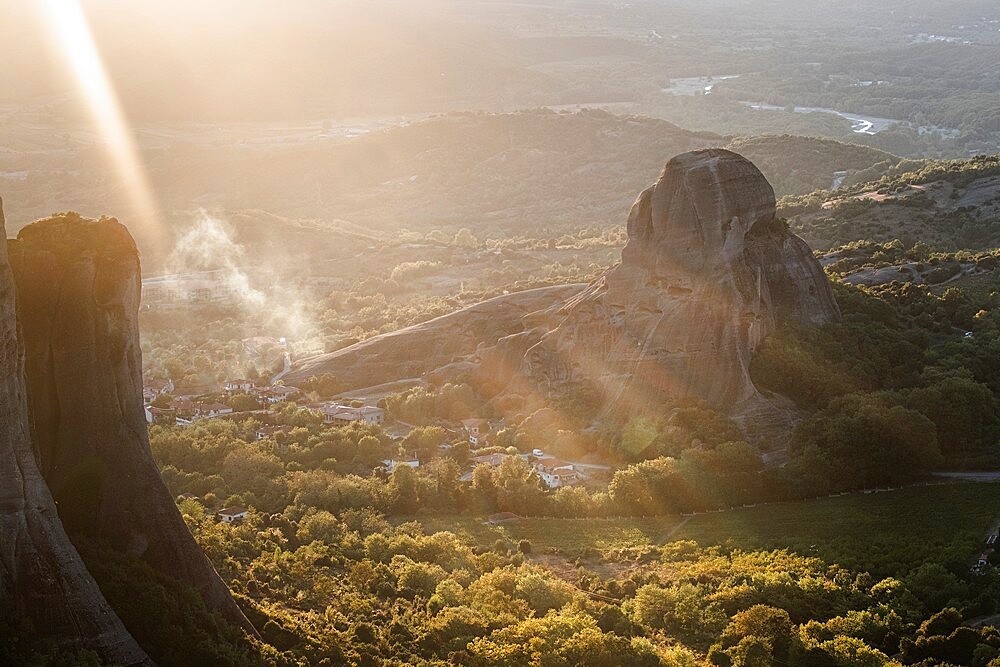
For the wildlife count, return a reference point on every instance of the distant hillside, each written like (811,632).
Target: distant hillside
(800,165)
(536,172)
(539,173)
(945,204)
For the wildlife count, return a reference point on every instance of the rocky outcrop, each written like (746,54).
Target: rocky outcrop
(706,273)
(78,287)
(43,582)
(447,342)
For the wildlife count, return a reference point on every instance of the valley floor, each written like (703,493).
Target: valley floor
(886,533)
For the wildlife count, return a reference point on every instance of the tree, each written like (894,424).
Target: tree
(465,239)
(403,490)
(869,441)
(637,436)
(424,441)
(243,403)
(484,486)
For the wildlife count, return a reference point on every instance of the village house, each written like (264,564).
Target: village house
(557,473)
(276,394)
(270,431)
(492,460)
(232,514)
(476,429)
(187,410)
(188,496)
(239,386)
(162,416)
(392,464)
(153,388)
(210,410)
(341,415)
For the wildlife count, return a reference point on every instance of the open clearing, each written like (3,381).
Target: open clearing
(887,533)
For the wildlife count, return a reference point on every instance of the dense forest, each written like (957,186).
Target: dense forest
(335,564)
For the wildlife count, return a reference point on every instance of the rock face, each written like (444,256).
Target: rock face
(705,275)
(78,288)
(42,578)
(436,344)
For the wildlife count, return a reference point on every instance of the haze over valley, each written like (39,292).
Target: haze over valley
(476,332)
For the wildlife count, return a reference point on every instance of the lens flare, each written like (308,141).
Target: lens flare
(74,43)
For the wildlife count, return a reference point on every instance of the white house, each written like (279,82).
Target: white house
(239,386)
(557,473)
(392,464)
(210,410)
(231,514)
(475,429)
(276,394)
(340,415)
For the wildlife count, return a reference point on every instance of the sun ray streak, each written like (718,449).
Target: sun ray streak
(72,39)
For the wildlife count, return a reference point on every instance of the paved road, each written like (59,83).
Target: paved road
(972,475)
(284,371)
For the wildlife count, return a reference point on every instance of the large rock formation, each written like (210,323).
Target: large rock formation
(78,288)
(706,272)
(43,582)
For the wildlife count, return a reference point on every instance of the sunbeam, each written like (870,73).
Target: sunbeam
(72,40)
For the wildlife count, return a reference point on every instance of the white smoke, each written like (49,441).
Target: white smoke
(208,246)
(208,251)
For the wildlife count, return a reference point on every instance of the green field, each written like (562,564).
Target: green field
(567,536)
(886,533)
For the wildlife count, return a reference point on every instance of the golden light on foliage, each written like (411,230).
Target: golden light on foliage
(73,43)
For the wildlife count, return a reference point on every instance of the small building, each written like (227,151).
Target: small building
(276,394)
(492,460)
(502,517)
(265,432)
(557,473)
(153,388)
(475,429)
(392,464)
(187,411)
(210,410)
(239,386)
(341,415)
(188,496)
(161,416)
(232,514)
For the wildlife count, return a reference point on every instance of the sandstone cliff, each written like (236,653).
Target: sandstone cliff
(78,288)
(43,581)
(705,275)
